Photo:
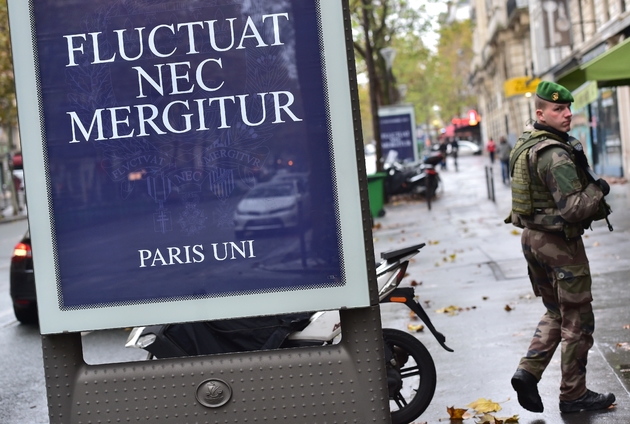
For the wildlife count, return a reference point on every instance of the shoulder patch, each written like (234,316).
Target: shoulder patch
(566,178)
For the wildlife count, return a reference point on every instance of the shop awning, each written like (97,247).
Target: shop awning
(609,69)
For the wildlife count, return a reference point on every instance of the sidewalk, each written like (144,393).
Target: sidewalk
(474,261)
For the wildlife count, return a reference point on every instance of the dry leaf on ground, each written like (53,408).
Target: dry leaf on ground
(456,413)
(415,328)
(483,406)
(452,310)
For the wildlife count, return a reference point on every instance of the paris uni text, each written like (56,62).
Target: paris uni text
(194,254)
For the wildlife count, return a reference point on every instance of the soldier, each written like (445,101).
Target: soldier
(553,201)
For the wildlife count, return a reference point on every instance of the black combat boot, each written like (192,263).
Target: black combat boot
(526,387)
(591,401)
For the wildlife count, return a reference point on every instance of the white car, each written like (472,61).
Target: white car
(275,205)
(466,148)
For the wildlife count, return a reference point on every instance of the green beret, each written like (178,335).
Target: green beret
(554,93)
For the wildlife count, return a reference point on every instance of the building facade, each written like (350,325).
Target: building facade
(582,44)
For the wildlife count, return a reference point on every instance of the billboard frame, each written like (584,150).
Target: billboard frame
(57,319)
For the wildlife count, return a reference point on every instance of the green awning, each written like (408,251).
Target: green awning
(611,68)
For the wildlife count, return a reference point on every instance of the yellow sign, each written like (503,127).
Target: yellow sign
(519,86)
(584,95)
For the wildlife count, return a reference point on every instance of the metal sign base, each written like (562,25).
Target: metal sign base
(342,383)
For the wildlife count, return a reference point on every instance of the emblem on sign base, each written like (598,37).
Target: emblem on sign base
(213,393)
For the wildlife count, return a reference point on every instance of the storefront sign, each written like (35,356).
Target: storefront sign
(183,160)
(520,86)
(585,95)
(398,132)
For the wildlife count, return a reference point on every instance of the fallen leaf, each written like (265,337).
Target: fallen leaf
(452,256)
(483,406)
(377,226)
(451,310)
(487,419)
(415,328)
(434,242)
(415,283)
(412,315)
(456,413)
(512,419)
(596,244)
(515,232)
(624,345)
(485,298)
(508,308)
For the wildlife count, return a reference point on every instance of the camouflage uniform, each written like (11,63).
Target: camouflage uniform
(558,267)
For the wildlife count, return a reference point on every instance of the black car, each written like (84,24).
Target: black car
(22,280)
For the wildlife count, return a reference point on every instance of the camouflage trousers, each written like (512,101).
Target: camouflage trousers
(560,275)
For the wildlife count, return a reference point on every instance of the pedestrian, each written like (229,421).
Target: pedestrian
(553,202)
(491,148)
(443,148)
(454,150)
(503,151)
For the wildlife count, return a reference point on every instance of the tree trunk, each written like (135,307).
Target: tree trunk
(369,63)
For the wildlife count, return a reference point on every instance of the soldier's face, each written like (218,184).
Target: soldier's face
(556,116)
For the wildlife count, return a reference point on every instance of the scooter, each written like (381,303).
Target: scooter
(411,373)
(415,178)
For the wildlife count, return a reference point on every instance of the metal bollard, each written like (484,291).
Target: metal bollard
(490,183)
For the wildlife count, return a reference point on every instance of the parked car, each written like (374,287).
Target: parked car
(22,282)
(466,148)
(273,205)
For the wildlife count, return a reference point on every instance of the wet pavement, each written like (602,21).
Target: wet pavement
(474,262)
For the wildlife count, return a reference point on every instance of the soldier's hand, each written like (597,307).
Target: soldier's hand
(604,186)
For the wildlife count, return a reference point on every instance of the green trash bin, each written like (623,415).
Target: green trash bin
(376,193)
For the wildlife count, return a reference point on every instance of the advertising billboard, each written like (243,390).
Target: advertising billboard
(398,132)
(187,160)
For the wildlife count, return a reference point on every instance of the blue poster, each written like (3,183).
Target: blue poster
(187,149)
(397,134)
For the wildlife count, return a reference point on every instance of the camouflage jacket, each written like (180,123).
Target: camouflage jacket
(576,199)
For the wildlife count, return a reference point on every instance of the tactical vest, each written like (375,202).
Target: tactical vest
(531,199)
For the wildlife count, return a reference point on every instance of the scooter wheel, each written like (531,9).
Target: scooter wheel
(417,370)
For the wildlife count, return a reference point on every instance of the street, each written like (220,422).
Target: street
(23,392)
(471,261)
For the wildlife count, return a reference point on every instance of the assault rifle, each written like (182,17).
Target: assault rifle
(582,162)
